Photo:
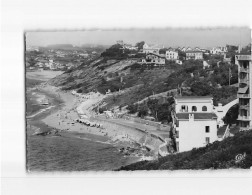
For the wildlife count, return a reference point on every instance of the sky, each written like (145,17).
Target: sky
(194,37)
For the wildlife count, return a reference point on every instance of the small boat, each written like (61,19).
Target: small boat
(44,102)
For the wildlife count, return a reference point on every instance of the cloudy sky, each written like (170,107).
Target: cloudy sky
(207,37)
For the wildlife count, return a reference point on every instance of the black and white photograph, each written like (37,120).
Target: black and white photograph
(142,99)
(126,97)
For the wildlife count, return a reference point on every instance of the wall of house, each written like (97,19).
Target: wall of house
(198,104)
(192,134)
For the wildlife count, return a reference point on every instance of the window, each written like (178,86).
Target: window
(207,140)
(204,108)
(184,108)
(194,109)
(207,128)
(177,134)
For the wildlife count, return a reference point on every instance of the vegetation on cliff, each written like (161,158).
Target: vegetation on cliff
(116,70)
(233,152)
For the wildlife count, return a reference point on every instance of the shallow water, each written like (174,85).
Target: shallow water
(60,153)
(69,152)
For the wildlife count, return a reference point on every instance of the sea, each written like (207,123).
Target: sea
(71,151)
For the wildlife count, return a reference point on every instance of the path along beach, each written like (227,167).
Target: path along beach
(65,108)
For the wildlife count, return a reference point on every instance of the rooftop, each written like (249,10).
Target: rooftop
(194,51)
(193,97)
(197,115)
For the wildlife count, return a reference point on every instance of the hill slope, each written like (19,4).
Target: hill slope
(218,155)
(115,74)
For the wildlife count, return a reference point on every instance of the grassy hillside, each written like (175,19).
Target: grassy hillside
(118,71)
(218,155)
(112,74)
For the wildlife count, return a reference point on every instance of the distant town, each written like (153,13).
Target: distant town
(66,56)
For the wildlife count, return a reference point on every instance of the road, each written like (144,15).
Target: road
(136,125)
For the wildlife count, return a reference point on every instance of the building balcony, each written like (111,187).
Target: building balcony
(243,57)
(243,118)
(243,95)
(246,107)
(244,70)
(245,128)
(245,80)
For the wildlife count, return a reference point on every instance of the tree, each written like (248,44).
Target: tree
(142,111)
(232,115)
(201,88)
(153,106)
(132,108)
(139,45)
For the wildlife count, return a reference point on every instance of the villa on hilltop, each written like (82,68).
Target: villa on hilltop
(148,48)
(194,55)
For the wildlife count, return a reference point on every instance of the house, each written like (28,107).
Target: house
(130,47)
(151,48)
(183,49)
(195,55)
(194,121)
(84,55)
(189,49)
(152,58)
(197,49)
(205,65)
(171,54)
(218,50)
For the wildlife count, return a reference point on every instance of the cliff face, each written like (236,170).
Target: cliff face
(233,152)
(87,77)
(134,81)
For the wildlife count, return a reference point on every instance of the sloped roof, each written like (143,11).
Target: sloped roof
(155,55)
(191,51)
(197,115)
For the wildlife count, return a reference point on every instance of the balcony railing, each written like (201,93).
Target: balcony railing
(244,81)
(243,57)
(245,128)
(243,117)
(244,107)
(243,95)
(244,69)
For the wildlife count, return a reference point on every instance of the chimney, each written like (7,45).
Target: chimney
(191,117)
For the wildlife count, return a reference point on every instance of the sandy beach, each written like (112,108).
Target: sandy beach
(75,106)
(61,117)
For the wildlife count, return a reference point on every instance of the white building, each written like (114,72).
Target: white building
(130,47)
(194,55)
(245,90)
(151,48)
(171,54)
(183,49)
(195,122)
(152,58)
(218,50)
